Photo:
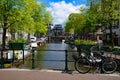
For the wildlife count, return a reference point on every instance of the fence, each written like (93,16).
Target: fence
(4,59)
(63,60)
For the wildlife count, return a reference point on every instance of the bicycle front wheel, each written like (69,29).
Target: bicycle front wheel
(82,66)
(109,66)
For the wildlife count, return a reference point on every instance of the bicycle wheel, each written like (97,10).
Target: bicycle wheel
(82,66)
(95,62)
(109,66)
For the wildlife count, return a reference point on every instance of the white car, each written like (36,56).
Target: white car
(33,39)
(33,45)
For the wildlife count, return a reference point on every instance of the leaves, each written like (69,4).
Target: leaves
(85,42)
(25,15)
(76,22)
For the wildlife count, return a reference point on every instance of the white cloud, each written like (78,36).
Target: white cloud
(73,2)
(61,10)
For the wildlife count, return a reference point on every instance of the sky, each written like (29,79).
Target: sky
(60,9)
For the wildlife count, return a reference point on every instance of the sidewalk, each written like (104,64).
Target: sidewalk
(18,74)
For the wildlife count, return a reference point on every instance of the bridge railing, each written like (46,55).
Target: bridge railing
(65,60)
(4,58)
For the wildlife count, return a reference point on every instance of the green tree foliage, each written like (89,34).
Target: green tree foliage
(109,14)
(20,18)
(23,15)
(86,21)
(75,22)
(41,17)
(93,16)
(104,12)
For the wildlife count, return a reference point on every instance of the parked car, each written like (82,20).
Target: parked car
(33,45)
(40,42)
(33,39)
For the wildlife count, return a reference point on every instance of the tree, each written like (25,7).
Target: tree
(14,15)
(41,17)
(20,18)
(85,22)
(21,15)
(93,18)
(75,22)
(110,12)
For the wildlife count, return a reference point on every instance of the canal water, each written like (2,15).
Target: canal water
(48,59)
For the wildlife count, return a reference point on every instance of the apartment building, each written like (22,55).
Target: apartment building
(58,30)
(116,32)
(54,30)
(50,29)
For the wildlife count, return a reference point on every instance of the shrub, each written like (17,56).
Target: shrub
(20,40)
(85,42)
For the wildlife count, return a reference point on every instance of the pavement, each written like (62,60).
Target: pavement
(25,74)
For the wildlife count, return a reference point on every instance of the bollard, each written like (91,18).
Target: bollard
(33,61)
(66,60)
(2,59)
(23,56)
(13,58)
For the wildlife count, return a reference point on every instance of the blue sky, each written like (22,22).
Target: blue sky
(60,9)
(74,2)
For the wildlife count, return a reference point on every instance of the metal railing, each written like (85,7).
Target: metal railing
(65,60)
(3,59)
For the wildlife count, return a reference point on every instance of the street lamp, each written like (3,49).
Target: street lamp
(99,32)
(99,35)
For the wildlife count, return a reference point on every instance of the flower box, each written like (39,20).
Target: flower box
(84,45)
(16,45)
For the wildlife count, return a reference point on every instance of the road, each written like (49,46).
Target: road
(23,74)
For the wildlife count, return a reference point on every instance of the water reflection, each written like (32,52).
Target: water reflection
(50,59)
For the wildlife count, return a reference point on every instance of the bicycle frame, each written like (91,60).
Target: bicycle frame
(101,63)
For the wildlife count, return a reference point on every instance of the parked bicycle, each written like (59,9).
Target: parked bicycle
(85,63)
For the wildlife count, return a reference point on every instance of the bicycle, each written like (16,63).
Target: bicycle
(84,63)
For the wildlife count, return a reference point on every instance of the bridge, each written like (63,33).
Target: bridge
(56,38)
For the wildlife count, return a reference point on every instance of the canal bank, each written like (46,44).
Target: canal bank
(18,74)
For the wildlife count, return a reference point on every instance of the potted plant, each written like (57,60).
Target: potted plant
(84,44)
(17,44)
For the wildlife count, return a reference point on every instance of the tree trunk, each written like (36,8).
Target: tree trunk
(28,37)
(4,38)
(5,27)
(111,36)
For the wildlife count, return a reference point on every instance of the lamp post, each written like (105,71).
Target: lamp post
(99,31)
(99,36)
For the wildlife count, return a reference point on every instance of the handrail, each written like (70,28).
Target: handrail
(33,57)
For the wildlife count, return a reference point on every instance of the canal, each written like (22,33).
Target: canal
(50,59)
